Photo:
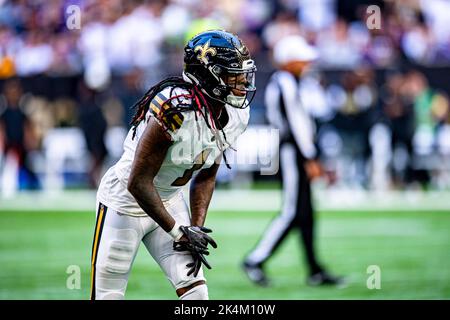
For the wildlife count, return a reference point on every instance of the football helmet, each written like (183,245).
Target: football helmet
(220,64)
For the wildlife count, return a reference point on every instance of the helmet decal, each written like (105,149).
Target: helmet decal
(203,51)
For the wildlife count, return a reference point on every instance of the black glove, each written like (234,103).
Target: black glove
(198,237)
(197,244)
(195,266)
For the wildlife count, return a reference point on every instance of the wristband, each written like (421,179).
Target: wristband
(176,232)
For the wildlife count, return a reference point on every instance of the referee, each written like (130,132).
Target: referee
(298,164)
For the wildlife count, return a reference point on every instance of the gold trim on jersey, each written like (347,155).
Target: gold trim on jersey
(172,121)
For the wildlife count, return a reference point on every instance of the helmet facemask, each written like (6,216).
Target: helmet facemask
(238,84)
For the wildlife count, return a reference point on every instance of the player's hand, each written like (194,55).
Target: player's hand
(195,266)
(313,169)
(195,240)
(198,254)
(184,245)
(198,237)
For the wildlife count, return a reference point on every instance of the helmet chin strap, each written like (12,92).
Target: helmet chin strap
(237,101)
(192,79)
(240,102)
(187,78)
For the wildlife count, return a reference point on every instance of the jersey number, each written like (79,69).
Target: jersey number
(199,161)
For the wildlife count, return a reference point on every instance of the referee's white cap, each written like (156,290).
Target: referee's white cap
(293,48)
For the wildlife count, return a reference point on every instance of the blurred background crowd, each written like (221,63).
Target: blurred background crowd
(380,97)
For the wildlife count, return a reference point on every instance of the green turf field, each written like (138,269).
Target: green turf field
(412,250)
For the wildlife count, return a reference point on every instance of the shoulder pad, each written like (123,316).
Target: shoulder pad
(166,112)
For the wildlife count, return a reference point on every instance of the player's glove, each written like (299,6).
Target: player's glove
(198,236)
(196,243)
(195,266)
(198,255)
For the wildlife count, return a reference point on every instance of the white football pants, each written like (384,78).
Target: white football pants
(116,241)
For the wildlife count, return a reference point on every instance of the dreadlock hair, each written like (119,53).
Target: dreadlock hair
(199,105)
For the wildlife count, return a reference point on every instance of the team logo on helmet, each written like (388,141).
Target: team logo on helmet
(203,51)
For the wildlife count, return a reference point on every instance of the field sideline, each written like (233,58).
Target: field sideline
(411,248)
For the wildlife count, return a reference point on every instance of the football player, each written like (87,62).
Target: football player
(179,132)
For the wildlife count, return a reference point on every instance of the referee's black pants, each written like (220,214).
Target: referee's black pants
(297,211)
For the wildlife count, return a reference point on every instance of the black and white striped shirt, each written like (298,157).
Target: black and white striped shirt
(285,112)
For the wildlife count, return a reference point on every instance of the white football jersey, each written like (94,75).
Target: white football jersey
(195,147)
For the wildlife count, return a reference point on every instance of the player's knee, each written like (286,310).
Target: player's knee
(195,292)
(110,284)
(112,296)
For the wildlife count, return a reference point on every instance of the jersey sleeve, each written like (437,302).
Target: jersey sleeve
(169,108)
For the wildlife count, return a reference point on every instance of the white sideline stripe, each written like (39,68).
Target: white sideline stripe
(250,200)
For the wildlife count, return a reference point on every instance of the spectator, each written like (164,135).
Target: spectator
(17,134)
(93,124)
(354,119)
(399,110)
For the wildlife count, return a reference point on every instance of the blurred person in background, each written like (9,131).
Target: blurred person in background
(298,163)
(339,46)
(93,124)
(17,134)
(415,113)
(128,91)
(356,100)
(399,112)
(283,24)
(429,113)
